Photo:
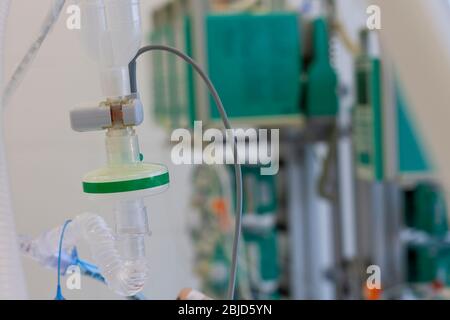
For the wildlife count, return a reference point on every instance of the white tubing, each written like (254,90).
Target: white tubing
(25,64)
(12,280)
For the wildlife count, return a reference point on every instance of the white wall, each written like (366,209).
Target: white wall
(47,159)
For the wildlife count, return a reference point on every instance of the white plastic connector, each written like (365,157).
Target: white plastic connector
(100,118)
(133,113)
(90,119)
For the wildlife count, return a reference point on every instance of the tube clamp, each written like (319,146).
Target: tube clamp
(122,113)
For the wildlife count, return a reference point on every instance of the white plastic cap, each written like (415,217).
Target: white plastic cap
(90,119)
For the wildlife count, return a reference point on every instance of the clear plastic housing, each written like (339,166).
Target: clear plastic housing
(112,34)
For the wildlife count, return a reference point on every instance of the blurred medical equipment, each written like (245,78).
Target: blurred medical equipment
(422,20)
(394,174)
(426,204)
(267,81)
(266,67)
(211,232)
(211,229)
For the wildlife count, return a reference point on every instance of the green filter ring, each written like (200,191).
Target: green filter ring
(125,179)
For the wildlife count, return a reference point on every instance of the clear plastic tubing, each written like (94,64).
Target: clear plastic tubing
(119,255)
(112,34)
(12,279)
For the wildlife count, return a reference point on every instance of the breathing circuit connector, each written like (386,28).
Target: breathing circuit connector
(126,180)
